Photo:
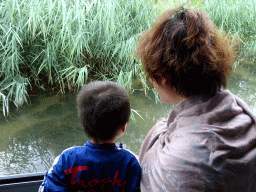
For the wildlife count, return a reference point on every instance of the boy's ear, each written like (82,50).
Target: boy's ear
(123,128)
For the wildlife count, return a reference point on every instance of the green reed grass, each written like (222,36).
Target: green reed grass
(238,19)
(234,16)
(64,43)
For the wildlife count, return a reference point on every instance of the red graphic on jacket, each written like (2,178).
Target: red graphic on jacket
(74,171)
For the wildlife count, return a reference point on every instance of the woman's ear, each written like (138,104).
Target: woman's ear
(163,82)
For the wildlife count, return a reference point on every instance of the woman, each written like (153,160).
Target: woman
(208,142)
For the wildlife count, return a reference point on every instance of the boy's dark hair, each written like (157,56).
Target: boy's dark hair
(103,107)
(186,48)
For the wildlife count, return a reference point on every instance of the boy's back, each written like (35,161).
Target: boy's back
(104,110)
(94,167)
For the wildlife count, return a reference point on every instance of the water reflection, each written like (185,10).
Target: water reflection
(242,83)
(25,155)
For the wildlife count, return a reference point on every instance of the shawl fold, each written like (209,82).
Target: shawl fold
(204,145)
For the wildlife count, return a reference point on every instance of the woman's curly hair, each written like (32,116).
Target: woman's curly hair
(186,48)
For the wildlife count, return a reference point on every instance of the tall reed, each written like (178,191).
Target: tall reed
(238,18)
(64,43)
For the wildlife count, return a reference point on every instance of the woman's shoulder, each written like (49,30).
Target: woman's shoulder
(153,135)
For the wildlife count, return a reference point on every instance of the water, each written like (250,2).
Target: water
(32,136)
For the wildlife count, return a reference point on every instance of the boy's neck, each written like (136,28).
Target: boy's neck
(118,134)
(105,142)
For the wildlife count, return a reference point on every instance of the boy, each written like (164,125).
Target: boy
(104,110)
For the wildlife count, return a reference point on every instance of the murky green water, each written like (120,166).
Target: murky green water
(32,136)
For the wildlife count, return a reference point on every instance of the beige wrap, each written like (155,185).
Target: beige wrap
(202,146)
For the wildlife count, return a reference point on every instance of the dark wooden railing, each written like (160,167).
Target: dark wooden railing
(21,183)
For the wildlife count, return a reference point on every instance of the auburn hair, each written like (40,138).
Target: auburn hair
(186,48)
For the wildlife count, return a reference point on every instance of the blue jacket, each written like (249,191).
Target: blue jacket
(93,167)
